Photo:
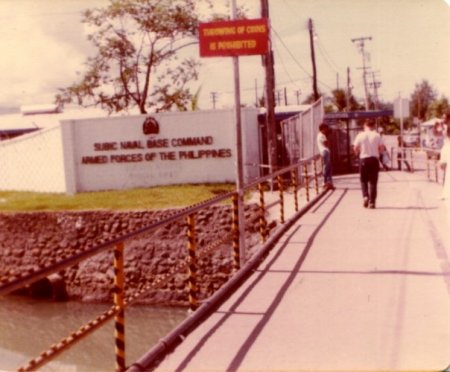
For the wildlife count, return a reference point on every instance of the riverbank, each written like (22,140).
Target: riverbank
(35,239)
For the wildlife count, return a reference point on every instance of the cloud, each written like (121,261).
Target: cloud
(34,63)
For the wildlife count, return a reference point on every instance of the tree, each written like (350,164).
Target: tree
(421,98)
(137,61)
(438,107)
(339,98)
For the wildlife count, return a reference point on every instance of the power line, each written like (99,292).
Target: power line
(326,56)
(297,62)
(290,53)
(285,68)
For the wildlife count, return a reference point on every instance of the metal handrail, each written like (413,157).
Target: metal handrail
(151,359)
(14,282)
(18,283)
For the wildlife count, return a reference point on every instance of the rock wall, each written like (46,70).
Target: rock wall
(31,240)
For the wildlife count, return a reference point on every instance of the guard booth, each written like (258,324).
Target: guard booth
(344,128)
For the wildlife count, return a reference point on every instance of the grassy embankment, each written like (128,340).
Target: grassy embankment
(138,199)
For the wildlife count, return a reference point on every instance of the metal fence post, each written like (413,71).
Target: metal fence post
(119,319)
(281,193)
(411,155)
(428,168)
(295,184)
(436,169)
(316,180)
(192,262)
(305,170)
(262,216)
(392,158)
(236,233)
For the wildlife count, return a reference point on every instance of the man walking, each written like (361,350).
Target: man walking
(324,151)
(368,146)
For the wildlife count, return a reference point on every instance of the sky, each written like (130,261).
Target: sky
(44,47)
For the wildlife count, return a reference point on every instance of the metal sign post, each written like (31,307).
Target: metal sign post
(401,110)
(239,160)
(232,39)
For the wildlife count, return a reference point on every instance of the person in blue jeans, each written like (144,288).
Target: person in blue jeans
(324,151)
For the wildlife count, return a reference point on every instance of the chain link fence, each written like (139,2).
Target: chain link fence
(300,131)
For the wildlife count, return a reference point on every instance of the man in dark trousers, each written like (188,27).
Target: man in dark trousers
(368,146)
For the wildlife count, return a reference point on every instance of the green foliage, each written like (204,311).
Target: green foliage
(151,198)
(136,61)
(438,108)
(421,98)
(339,99)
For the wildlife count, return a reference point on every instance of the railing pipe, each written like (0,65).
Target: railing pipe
(150,359)
(192,263)
(236,232)
(262,213)
(119,318)
(295,185)
(305,170)
(281,195)
(316,179)
(10,286)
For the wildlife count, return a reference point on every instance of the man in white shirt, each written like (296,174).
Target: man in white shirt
(324,151)
(368,146)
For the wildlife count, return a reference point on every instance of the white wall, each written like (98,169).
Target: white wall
(120,168)
(33,162)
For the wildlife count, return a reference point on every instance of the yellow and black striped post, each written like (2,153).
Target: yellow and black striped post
(119,319)
(305,170)
(281,194)
(235,232)
(192,262)
(316,180)
(411,154)
(262,211)
(295,185)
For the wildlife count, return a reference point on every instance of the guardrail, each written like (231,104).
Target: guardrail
(300,178)
(410,158)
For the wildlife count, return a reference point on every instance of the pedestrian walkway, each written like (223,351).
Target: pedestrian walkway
(346,289)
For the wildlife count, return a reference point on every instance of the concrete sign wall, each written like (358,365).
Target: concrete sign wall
(161,149)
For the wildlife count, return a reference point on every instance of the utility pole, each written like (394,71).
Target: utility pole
(298,93)
(256,93)
(360,43)
(278,99)
(285,97)
(349,89)
(337,80)
(214,99)
(375,85)
(268,63)
(313,59)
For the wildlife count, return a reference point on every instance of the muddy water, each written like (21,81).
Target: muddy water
(28,327)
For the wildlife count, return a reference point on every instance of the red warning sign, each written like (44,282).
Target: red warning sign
(234,38)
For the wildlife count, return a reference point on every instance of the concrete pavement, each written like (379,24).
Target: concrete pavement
(346,289)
